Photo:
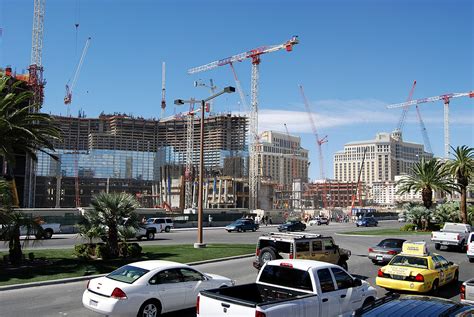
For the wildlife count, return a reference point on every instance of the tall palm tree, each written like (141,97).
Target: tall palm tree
(462,168)
(109,211)
(427,176)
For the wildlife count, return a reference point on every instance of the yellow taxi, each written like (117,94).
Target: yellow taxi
(416,270)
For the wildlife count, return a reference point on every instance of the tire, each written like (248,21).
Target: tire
(435,288)
(239,229)
(343,264)
(375,261)
(357,225)
(463,247)
(456,278)
(254,229)
(327,223)
(437,246)
(48,233)
(139,238)
(150,235)
(150,308)
(368,301)
(267,254)
(167,229)
(471,260)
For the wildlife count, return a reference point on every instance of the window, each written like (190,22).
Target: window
(317,246)
(302,246)
(328,245)
(343,280)
(286,277)
(325,280)
(410,261)
(167,276)
(191,275)
(127,274)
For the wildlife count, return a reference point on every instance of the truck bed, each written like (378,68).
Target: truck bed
(247,293)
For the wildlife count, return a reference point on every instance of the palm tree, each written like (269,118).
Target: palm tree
(109,211)
(462,168)
(427,176)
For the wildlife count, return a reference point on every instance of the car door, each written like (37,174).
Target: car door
(317,252)
(167,285)
(438,266)
(350,297)
(447,269)
(330,251)
(302,250)
(193,283)
(326,289)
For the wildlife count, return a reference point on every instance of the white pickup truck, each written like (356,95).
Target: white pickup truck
(467,292)
(294,288)
(470,247)
(452,234)
(48,229)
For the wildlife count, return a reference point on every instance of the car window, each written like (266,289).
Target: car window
(167,277)
(437,263)
(410,261)
(325,281)
(317,246)
(127,274)
(191,275)
(328,245)
(389,243)
(168,220)
(472,238)
(286,277)
(160,220)
(343,280)
(442,260)
(302,246)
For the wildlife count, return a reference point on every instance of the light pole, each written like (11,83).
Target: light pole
(199,243)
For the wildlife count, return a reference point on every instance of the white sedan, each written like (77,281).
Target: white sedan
(149,288)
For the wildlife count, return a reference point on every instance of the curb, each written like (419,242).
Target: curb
(354,235)
(88,277)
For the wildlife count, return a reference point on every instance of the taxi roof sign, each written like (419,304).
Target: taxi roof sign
(415,248)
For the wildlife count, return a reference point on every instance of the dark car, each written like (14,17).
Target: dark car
(293,225)
(397,305)
(385,250)
(367,222)
(242,225)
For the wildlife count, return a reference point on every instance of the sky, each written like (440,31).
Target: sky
(354,58)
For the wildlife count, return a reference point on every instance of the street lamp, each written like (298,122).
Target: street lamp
(199,243)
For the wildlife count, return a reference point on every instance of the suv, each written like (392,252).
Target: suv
(160,224)
(275,245)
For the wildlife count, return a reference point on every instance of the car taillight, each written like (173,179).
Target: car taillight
(291,255)
(463,292)
(391,252)
(197,304)
(257,252)
(380,273)
(118,294)
(259,314)
(371,250)
(419,278)
(459,237)
(286,264)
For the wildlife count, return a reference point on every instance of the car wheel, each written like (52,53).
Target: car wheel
(267,254)
(239,229)
(357,224)
(150,235)
(375,261)
(437,246)
(368,301)
(471,260)
(150,308)
(167,229)
(139,238)
(254,229)
(434,288)
(48,233)
(327,223)
(455,278)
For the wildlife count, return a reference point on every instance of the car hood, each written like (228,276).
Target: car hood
(220,278)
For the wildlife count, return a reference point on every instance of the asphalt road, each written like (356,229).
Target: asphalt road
(65,299)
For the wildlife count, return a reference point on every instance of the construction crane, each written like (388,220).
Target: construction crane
(357,188)
(293,167)
(163,89)
(188,173)
(401,121)
(69,89)
(254,55)
(446,99)
(212,88)
(36,67)
(319,143)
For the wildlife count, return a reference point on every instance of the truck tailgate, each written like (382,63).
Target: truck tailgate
(213,307)
(445,236)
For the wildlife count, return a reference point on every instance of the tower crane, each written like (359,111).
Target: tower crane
(69,89)
(319,143)
(212,88)
(163,89)
(403,116)
(36,67)
(254,55)
(446,99)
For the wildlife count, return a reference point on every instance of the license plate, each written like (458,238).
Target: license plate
(379,257)
(398,277)
(93,303)
(445,243)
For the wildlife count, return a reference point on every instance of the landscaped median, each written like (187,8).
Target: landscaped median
(61,263)
(384,232)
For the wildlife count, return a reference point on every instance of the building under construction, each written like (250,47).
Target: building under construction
(338,194)
(145,157)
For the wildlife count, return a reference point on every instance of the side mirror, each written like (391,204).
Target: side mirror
(357,282)
(450,263)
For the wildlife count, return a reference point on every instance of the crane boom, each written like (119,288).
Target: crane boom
(424,132)
(401,121)
(255,56)
(69,89)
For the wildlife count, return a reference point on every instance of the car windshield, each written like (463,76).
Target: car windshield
(389,243)
(127,274)
(410,261)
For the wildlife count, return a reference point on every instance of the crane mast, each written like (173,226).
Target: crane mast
(163,89)
(445,98)
(36,67)
(254,55)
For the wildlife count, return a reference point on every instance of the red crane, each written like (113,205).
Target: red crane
(319,143)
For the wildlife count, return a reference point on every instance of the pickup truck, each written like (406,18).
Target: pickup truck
(470,247)
(294,288)
(467,292)
(452,235)
(48,229)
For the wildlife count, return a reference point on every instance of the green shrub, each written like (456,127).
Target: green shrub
(134,250)
(103,251)
(123,249)
(80,250)
(408,227)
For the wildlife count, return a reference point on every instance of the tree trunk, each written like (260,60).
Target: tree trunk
(113,241)
(427,197)
(15,248)
(463,207)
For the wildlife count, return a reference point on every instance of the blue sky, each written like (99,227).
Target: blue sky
(354,58)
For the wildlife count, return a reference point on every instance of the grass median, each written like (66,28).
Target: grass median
(385,232)
(63,264)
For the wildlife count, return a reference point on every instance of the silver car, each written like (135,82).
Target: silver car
(385,250)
